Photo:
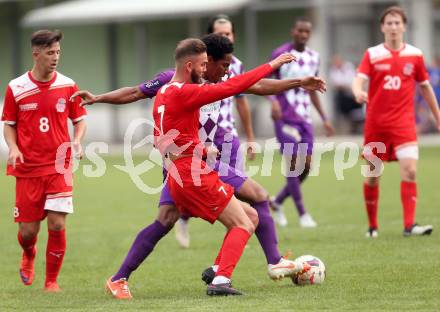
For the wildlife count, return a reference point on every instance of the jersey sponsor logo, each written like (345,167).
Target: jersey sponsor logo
(209,108)
(61,105)
(151,83)
(408,69)
(28,107)
(382,67)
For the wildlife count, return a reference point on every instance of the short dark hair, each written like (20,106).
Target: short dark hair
(393,10)
(45,38)
(217,46)
(222,18)
(189,47)
(301,19)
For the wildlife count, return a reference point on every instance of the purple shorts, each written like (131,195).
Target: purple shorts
(295,138)
(229,147)
(226,173)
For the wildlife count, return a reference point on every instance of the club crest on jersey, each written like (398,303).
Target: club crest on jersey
(61,105)
(408,69)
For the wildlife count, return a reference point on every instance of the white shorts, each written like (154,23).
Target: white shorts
(59,203)
(407,152)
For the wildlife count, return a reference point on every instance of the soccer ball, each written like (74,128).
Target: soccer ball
(315,275)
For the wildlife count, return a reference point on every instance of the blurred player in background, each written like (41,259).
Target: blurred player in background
(392,68)
(219,127)
(291,112)
(35,114)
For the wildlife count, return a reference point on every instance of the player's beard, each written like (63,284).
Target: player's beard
(195,78)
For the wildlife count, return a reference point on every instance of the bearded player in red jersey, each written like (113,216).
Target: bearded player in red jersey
(35,117)
(392,69)
(197,191)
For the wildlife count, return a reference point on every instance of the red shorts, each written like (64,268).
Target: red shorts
(34,196)
(200,194)
(392,139)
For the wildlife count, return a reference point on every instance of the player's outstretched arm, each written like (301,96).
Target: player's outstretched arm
(360,95)
(429,96)
(274,86)
(120,96)
(195,96)
(10,134)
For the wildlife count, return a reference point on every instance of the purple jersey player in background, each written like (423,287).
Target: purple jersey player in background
(291,112)
(219,59)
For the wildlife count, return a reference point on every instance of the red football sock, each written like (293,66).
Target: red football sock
(27,245)
(231,251)
(219,256)
(371,197)
(56,247)
(408,195)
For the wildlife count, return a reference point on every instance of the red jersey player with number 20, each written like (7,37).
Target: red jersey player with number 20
(176,111)
(35,116)
(393,68)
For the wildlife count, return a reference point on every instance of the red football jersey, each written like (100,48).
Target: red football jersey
(177,106)
(40,110)
(392,76)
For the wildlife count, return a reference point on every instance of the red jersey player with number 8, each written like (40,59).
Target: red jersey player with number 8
(35,114)
(392,69)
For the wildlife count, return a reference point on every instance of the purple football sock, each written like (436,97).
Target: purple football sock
(282,195)
(294,186)
(142,246)
(266,233)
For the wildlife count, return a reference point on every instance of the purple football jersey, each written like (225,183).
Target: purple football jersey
(296,103)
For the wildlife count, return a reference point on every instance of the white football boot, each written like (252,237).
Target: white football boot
(306,221)
(182,233)
(372,233)
(278,213)
(286,268)
(418,230)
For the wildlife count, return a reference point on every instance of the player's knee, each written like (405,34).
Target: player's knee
(56,225)
(259,194)
(28,233)
(409,173)
(168,215)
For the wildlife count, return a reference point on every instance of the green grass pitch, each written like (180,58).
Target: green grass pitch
(389,273)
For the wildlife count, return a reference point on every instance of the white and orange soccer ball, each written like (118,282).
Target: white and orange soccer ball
(316,274)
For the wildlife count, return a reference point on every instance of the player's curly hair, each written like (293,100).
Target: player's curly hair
(217,46)
(219,18)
